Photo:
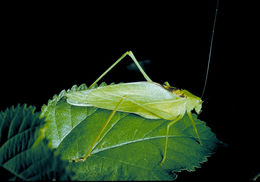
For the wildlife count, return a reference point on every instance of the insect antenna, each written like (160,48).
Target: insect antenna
(210,49)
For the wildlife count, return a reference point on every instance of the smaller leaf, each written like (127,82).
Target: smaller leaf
(19,128)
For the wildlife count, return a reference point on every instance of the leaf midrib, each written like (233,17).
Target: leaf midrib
(95,151)
(14,137)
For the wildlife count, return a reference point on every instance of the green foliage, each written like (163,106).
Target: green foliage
(19,158)
(130,148)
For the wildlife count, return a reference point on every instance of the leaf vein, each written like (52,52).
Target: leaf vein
(150,169)
(138,140)
(109,130)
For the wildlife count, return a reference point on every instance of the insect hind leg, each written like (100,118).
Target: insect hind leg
(129,53)
(100,132)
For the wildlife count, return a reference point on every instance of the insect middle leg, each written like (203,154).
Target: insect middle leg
(167,136)
(129,53)
(100,132)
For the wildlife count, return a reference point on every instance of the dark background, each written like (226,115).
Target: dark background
(48,48)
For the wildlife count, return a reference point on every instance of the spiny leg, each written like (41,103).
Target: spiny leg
(129,53)
(194,126)
(167,135)
(100,132)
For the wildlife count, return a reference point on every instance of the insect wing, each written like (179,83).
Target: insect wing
(78,98)
(167,109)
(136,94)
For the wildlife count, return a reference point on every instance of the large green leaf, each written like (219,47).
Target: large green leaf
(130,148)
(20,159)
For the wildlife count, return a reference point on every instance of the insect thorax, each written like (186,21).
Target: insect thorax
(193,102)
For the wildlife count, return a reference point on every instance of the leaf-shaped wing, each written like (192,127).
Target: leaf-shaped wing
(137,96)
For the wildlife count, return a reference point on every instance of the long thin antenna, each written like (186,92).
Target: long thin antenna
(210,49)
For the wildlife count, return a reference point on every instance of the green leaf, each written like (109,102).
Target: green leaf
(19,128)
(130,148)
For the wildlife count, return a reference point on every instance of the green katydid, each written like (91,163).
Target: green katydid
(146,98)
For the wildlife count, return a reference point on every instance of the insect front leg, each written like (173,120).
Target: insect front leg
(129,53)
(167,135)
(100,132)
(194,126)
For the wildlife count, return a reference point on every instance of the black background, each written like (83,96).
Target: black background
(48,48)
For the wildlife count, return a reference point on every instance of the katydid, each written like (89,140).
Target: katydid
(146,99)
